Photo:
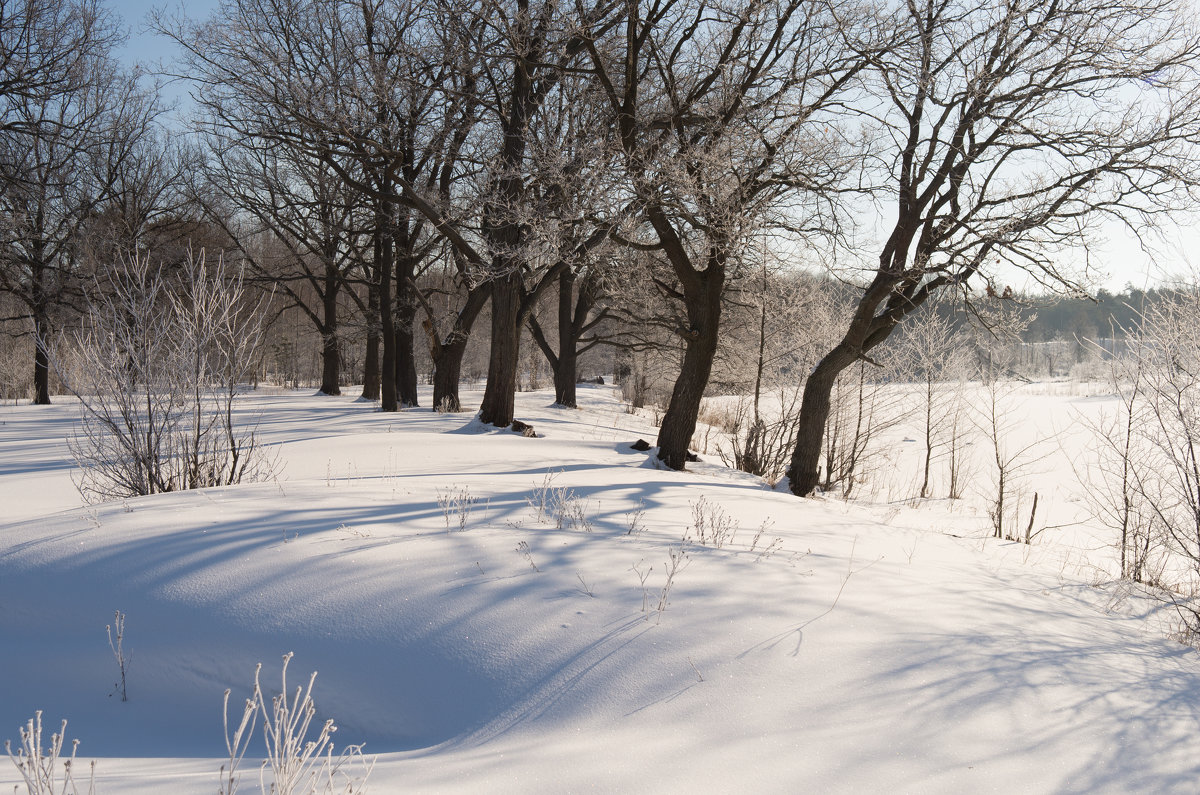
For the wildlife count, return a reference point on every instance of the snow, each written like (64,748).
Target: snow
(883,644)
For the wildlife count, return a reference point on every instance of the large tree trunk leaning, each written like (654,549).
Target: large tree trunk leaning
(804,472)
(865,331)
(500,394)
(704,315)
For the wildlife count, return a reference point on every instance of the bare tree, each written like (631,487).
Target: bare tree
(314,218)
(530,225)
(157,372)
(1014,127)
(48,48)
(933,356)
(1165,456)
(579,312)
(998,416)
(61,155)
(1112,475)
(720,112)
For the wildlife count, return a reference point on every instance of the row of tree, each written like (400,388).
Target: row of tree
(420,160)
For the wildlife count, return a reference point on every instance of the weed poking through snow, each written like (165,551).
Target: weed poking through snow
(237,743)
(117,627)
(297,764)
(770,548)
(712,525)
(456,503)
(524,551)
(642,577)
(633,520)
(677,561)
(543,497)
(38,766)
(569,511)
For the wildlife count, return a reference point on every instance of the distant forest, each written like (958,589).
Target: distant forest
(1107,315)
(1045,318)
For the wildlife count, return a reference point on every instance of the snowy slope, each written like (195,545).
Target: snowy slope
(875,647)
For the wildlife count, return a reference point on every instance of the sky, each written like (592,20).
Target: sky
(1174,253)
(147,48)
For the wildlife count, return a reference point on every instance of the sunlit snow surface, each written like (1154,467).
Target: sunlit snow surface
(882,646)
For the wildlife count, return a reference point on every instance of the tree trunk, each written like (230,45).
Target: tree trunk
(41,358)
(331,361)
(499,396)
(406,310)
(448,355)
(371,365)
(865,331)
(804,472)
(387,332)
(447,373)
(565,378)
(929,387)
(679,422)
(331,364)
(406,360)
(565,368)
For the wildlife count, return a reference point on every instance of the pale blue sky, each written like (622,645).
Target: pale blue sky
(147,47)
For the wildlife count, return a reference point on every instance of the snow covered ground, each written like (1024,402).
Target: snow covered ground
(877,646)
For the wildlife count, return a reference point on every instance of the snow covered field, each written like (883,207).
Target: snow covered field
(877,646)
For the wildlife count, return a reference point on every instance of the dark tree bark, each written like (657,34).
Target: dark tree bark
(331,356)
(565,365)
(407,260)
(447,373)
(500,395)
(447,354)
(384,252)
(566,375)
(573,323)
(704,317)
(406,360)
(804,471)
(371,363)
(41,359)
